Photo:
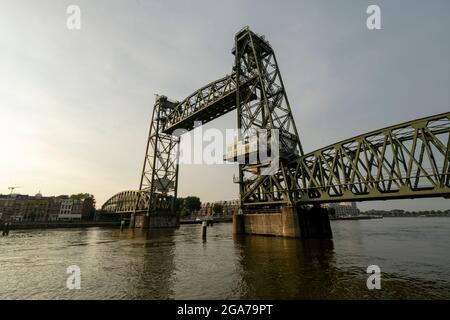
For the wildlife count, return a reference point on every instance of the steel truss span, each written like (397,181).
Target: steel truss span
(130,201)
(124,202)
(409,160)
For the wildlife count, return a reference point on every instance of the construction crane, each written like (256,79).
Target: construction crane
(12,188)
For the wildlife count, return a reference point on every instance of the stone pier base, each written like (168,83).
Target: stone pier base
(297,222)
(163,220)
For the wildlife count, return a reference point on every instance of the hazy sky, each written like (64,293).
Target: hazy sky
(75,105)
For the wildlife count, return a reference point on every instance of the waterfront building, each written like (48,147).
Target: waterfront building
(68,210)
(25,208)
(55,207)
(344,209)
(229,208)
(35,208)
(17,207)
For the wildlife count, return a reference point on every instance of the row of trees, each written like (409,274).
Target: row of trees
(217,208)
(89,204)
(82,196)
(183,206)
(187,206)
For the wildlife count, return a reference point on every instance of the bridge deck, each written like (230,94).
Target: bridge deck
(205,113)
(204,105)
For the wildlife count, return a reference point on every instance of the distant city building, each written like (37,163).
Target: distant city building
(344,209)
(55,208)
(17,207)
(229,208)
(70,210)
(403,213)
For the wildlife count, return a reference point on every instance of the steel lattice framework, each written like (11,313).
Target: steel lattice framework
(255,59)
(205,104)
(125,201)
(409,160)
(159,178)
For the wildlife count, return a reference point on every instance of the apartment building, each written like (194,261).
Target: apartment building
(25,208)
(344,209)
(229,208)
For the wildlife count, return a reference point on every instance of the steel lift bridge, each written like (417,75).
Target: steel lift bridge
(408,160)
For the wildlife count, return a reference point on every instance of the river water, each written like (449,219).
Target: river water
(412,253)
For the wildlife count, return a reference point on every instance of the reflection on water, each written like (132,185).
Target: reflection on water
(284,268)
(147,269)
(177,264)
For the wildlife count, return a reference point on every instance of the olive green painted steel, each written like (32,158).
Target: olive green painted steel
(408,160)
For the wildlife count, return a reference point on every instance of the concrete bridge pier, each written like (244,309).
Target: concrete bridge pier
(132,220)
(153,221)
(291,221)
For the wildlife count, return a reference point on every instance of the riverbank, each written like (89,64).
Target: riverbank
(63,224)
(360,217)
(216,220)
(91,224)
